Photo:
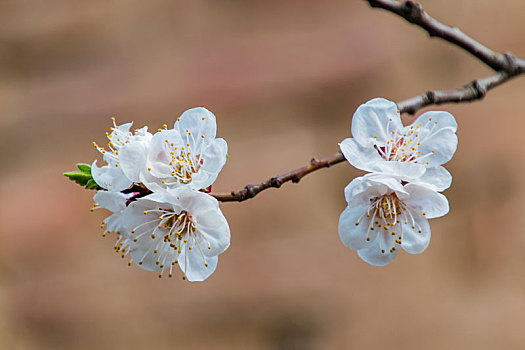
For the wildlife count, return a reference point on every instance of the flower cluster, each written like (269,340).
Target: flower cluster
(155,184)
(389,208)
(157,188)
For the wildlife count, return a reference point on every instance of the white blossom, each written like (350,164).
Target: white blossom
(111,176)
(175,227)
(416,152)
(383,215)
(187,155)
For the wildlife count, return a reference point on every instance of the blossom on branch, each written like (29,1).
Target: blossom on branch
(175,227)
(110,176)
(384,215)
(187,155)
(416,152)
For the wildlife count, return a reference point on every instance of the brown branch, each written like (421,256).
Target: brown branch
(506,65)
(250,191)
(414,13)
(473,91)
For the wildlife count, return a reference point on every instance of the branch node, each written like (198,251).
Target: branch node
(413,11)
(275,182)
(250,191)
(479,90)
(512,63)
(431,97)
(296,179)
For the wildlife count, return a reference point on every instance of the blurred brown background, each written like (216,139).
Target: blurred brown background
(283,78)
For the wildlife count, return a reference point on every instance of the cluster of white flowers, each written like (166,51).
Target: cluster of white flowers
(170,220)
(389,207)
(157,185)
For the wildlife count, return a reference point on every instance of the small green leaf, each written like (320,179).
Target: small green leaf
(83,177)
(85,168)
(79,177)
(91,185)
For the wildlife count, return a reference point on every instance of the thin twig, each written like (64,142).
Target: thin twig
(414,13)
(250,191)
(506,66)
(473,91)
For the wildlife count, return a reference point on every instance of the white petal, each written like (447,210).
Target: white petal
(213,158)
(213,232)
(134,215)
(406,171)
(415,242)
(354,236)
(112,201)
(364,158)
(193,265)
(444,119)
(372,254)
(114,223)
(194,202)
(438,134)
(163,196)
(436,177)
(152,183)
(373,119)
(142,135)
(369,159)
(132,159)
(426,200)
(116,203)
(159,156)
(355,192)
(123,127)
(110,178)
(199,121)
(384,183)
(142,251)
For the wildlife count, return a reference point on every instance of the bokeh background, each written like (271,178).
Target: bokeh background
(283,78)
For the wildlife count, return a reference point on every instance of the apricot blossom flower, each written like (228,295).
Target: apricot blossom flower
(383,215)
(111,176)
(176,227)
(187,155)
(416,152)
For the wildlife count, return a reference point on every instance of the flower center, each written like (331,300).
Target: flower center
(387,214)
(172,234)
(185,159)
(404,146)
(175,229)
